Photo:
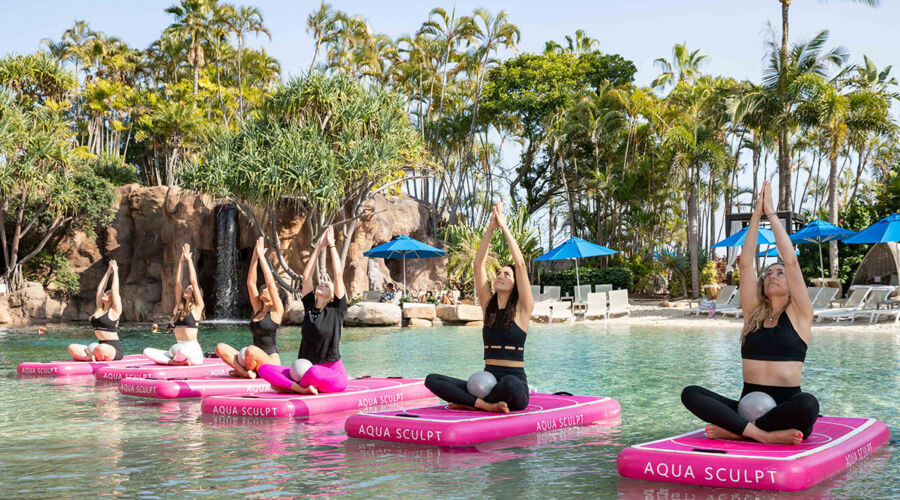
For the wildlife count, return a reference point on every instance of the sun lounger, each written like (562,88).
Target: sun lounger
(535,290)
(581,293)
(854,303)
(618,302)
(371,296)
(722,299)
(596,306)
(603,288)
(552,311)
(552,292)
(733,306)
(813,293)
(870,308)
(824,298)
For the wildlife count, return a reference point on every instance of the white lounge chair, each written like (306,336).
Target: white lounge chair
(552,292)
(596,306)
(813,292)
(869,308)
(854,303)
(618,302)
(887,312)
(535,290)
(603,288)
(733,306)
(581,293)
(721,300)
(371,296)
(824,298)
(552,311)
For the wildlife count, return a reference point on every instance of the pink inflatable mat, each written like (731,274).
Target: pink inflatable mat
(72,367)
(835,444)
(440,425)
(360,393)
(180,388)
(210,366)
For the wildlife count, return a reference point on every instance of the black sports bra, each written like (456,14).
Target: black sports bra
(503,343)
(188,321)
(104,324)
(778,343)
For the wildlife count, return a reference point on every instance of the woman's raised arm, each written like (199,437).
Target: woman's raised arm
(523,284)
(482,287)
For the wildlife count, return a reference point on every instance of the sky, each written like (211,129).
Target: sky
(731,33)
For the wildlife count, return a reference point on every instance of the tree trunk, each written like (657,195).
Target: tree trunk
(692,238)
(784,172)
(833,214)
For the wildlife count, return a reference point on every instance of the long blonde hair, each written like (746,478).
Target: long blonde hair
(185,306)
(763,309)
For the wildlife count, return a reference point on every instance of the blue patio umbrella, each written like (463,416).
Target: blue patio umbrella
(883,231)
(404,247)
(819,231)
(764,237)
(773,252)
(576,248)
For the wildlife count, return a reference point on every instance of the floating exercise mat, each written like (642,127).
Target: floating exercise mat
(440,425)
(360,393)
(180,388)
(835,444)
(210,366)
(71,367)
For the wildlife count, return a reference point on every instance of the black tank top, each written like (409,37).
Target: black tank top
(321,330)
(503,343)
(104,324)
(778,343)
(188,321)
(265,334)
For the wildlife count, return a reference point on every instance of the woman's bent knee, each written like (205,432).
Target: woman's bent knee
(809,403)
(689,393)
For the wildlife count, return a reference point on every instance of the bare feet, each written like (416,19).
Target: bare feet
(786,436)
(241,371)
(457,406)
(716,432)
(498,407)
(304,390)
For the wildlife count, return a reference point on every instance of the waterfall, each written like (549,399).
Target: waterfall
(226,261)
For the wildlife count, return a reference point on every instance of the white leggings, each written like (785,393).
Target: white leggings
(189,350)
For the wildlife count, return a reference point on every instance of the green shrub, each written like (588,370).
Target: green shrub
(709,274)
(52,268)
(675,289)
(618,277)
(115,170)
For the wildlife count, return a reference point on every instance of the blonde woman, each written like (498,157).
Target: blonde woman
(268,311)
(105,322)
(188,313)
(777,321)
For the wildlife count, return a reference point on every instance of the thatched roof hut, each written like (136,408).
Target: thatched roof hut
(881,266)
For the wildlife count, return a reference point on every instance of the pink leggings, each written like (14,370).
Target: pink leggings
(326,377)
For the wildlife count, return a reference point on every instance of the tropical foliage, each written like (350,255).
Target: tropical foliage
(455,116)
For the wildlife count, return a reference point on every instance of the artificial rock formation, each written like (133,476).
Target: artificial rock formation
(150,226)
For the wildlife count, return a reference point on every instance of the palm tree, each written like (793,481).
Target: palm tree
(319,22)
(192,24)
(782,87)
(449,31)
(243,21)
(783,91)
(683,68)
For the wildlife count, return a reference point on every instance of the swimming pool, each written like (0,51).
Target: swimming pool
(85,438)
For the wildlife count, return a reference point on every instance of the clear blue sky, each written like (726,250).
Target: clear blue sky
(730,32)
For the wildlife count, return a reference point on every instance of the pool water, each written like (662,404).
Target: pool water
(83,438)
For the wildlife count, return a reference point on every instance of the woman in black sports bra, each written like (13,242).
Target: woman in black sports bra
(507,313)
(105,322)
(777,322)
(187,315)
(268,311)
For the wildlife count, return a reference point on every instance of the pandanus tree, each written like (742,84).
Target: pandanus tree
(322,146)
(46,181)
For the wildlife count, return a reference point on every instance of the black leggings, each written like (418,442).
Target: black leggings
(794,410)
(512,388)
